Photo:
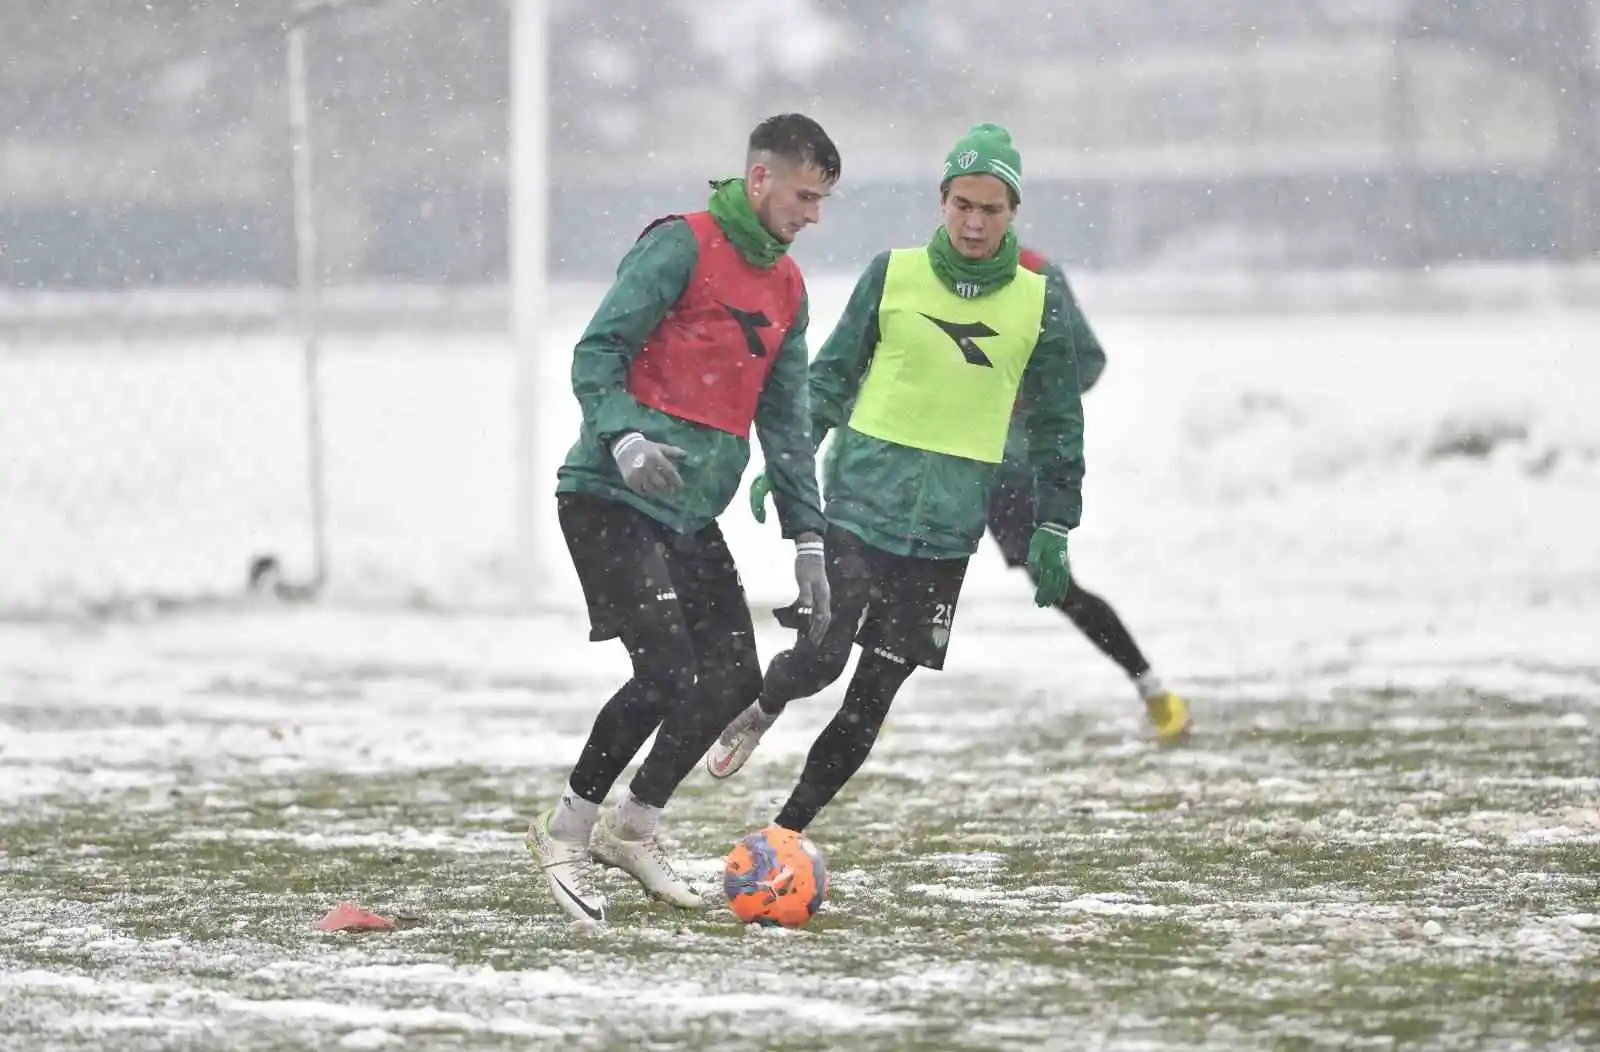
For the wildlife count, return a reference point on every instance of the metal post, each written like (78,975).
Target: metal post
(306,282)
(529,205)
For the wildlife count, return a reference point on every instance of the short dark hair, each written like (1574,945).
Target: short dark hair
(800,140)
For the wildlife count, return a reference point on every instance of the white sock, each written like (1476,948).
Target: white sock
(574,818)
(635,819)
(1149,684)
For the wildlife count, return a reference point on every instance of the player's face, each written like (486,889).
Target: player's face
(977,213)
(787,197)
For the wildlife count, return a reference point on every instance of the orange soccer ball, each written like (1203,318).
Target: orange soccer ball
(775,876)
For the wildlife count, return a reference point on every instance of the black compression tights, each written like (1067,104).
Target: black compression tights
(688,715)
(844,744)
(621,728)
(1095,618)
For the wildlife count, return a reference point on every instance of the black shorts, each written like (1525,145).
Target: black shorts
(896,606)
(638,572)
(1011,514)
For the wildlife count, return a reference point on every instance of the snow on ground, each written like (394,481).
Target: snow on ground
(1363,545)
(1283,506)
(1231,459)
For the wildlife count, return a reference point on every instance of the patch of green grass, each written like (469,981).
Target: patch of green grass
(1047,888)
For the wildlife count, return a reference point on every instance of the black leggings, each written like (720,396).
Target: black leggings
(897,602)
(1011,524)
(676,602)
(689,718)
(898,607)
(844,744)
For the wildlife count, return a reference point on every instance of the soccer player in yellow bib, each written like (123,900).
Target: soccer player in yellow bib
(920,378)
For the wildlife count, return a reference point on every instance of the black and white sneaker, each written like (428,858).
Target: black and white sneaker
(568,870)
(647,860)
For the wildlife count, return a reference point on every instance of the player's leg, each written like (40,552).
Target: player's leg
(845,743)
(620,558)
(1011,523)
(911,626)
(728,678)
(1094,617)
(729,670)
(806,668)
(1010,519)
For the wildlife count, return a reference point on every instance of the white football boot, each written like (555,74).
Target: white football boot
(645,859)
(737,741)
(568,870)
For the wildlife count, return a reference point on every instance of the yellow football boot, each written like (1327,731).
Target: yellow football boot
(1169,715)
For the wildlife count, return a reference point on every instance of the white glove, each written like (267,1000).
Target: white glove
(647,466)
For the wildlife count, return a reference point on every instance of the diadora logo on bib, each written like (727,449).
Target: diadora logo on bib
(750,323)
(964,333)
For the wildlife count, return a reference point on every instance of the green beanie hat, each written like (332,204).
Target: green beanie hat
(986,150)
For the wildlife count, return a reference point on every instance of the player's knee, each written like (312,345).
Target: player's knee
(666,677)
(828,664)
(877,681)
(819,664)
(864,720)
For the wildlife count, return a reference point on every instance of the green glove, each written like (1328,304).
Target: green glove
(758,497)
(1047,562)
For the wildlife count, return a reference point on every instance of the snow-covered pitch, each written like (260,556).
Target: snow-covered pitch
(1363,545)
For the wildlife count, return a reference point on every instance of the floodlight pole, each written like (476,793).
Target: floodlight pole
(306,282)
(529,196)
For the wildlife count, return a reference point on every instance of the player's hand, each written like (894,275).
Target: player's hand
(647,467)
(1047,562)
(811,574)
(759,488)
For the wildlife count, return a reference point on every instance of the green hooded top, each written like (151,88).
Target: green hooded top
(1014,470)
(932,505)
(650,279)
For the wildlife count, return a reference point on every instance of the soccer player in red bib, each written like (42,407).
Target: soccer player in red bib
(701,339)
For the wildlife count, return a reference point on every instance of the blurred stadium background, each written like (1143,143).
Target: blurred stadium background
(145,146)
(1242,156)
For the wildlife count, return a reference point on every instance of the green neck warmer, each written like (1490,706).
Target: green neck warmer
(731,209)
(971,278)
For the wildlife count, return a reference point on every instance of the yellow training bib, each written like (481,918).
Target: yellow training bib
(945,373)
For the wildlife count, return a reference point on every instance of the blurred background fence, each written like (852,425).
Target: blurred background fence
(146,146)
(1237,155)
